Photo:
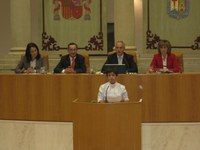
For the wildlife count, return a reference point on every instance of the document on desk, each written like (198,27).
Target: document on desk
(114,99)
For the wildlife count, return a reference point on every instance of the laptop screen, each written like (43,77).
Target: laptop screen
(120,68)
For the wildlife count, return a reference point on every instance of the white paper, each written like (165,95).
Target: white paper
(114,99)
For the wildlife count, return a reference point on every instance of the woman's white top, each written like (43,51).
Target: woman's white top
(33,63)
(112,92)
(164,62)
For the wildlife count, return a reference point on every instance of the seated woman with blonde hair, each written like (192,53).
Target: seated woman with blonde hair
(164,60)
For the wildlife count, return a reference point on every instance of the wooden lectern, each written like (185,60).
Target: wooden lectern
(106,126)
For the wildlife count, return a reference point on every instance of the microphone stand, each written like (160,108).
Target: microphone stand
(126,63)
(106,95)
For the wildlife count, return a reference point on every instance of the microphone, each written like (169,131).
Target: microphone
(126,63)
(106,95)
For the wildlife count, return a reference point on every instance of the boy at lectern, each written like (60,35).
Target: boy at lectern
(112,91)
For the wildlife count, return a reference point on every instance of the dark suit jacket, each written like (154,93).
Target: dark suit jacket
(65,62)
(131,66)
(172,64)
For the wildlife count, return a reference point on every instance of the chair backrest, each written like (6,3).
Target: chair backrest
(179,58)
(45,56)
(133,53)
(87,59)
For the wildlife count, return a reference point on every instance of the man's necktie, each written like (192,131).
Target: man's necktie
(73,62)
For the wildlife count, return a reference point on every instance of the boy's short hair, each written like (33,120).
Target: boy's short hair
(112,70)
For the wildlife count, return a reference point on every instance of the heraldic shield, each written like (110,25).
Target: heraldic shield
(71,9)
(178,8)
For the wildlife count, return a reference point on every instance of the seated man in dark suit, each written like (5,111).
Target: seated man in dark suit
(72,62)
(120,57)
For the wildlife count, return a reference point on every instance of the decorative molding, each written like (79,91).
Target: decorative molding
(196,44)
(49,43)
(95,43)
(153,39)
(18,49)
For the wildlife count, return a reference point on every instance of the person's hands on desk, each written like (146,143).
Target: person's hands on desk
(69,70)
(165,70)
(29,70)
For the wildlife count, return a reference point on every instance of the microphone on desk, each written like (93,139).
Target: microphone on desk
(106,94)
(126,62)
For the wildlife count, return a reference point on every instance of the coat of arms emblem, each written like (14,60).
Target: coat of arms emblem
(72,9)
(178,8)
